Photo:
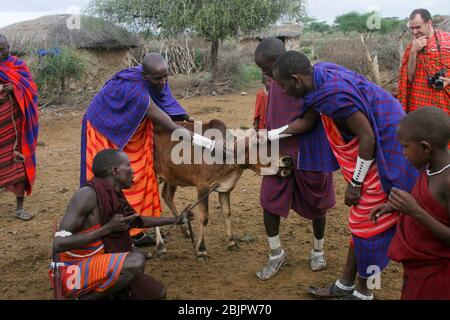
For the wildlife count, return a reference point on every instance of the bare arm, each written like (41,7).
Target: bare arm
(404,202)
(80,206)
(150,222)
(360,126)
(161,118)
(304,124)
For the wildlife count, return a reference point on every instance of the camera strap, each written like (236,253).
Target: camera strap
(426,61)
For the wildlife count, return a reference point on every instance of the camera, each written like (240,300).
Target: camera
(435,81)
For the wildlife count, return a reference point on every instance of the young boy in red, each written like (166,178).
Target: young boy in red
(422,240)
(259,120)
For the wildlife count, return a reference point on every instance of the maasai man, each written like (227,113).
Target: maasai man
(420,84)
(422,240)
(309,191)
(93,257)
(157,75)
(259,119)
(121,116)
(360,120)
(18,127)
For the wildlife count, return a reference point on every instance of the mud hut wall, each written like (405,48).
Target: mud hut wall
(101,65)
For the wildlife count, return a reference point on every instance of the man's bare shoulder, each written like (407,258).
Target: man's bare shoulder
(85,197)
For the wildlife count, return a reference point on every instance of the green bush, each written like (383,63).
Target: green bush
(246,73)
(55,68)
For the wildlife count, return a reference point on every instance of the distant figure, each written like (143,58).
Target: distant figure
(259,119)
(93,255)
(425,71)
(422,240)
(18,127)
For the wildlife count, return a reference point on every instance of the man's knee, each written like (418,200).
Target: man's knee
(134,263)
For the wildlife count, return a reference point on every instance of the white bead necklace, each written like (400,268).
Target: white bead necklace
(437,172)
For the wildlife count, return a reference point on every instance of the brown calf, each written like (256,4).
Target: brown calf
(204,177)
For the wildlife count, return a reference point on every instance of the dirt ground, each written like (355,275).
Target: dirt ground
(25,246)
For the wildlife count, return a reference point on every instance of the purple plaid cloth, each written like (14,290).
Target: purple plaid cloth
(340,92)
(119,108)
(309,191)
(311,149)
(372,252)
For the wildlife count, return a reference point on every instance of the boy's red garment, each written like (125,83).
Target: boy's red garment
(425,258)
(260,108)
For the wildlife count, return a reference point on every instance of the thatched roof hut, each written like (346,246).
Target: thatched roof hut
(104,46)
(445,25)
(77,32)
(288,33)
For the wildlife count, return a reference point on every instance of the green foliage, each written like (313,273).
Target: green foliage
(354,21)
(53,72)
(319,26)
(246,74)
(392,25)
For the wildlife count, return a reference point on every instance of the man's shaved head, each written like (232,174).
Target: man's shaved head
(270,48)
(153,61)
(267,53)
(155,71)
(104,161)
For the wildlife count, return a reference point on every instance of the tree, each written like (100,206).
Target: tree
(352,21)
(319,26)
(215,20)
(392,25)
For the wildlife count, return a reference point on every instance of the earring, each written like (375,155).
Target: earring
(297,86)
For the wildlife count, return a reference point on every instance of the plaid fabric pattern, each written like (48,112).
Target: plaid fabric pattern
(340,93)
(372,252)
(15,71)
(11,172)
(416,94)
(311,149)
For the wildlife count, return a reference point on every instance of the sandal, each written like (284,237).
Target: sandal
(272,267)
(330,292)
(143,240)
(23,215)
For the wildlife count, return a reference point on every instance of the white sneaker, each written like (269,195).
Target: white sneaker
(272,266)
(318,261)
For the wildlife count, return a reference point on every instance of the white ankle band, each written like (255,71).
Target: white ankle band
(362,296)
(318,244)
(278,256)
(343,287)
(274,242)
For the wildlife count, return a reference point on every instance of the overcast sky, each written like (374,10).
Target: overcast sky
(21,10)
